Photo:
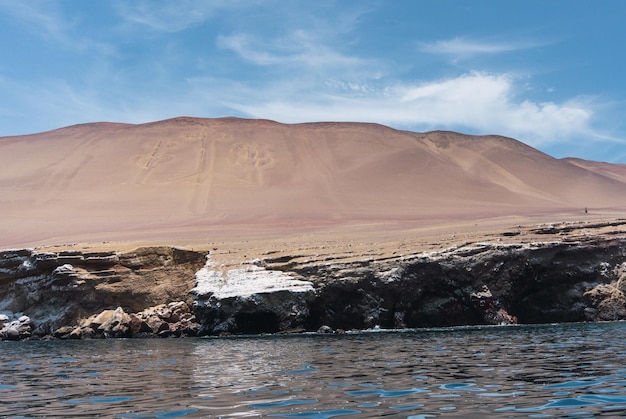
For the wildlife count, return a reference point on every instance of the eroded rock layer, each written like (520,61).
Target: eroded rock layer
(61,288)
(548,273)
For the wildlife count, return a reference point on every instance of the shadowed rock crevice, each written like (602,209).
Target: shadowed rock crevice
(258,322)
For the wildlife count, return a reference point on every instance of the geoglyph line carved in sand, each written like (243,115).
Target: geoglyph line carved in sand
(203,178)
(253,161)
(149,162)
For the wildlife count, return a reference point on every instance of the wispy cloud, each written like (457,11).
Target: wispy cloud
(475,102)
(299,47)
(171,16)
(464,48)
(47,20)
(307,67)
(480,103)
(40,17)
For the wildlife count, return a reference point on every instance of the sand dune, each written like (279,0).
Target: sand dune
(193,178)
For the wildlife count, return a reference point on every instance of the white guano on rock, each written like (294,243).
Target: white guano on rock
(244,282)
(250,299)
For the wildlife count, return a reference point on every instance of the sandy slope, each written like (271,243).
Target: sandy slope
(189,180)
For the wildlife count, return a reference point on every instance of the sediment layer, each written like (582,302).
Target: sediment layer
(527,274)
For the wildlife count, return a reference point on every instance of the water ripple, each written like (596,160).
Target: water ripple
(386,393)
(111,399)
(533,371)
(282,403)
(318,414)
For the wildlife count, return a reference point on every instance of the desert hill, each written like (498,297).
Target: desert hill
(192,177)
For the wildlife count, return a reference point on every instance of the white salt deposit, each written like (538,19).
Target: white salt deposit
(245,282)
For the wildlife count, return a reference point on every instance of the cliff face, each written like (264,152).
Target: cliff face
(59,288)
(479,283)
(250,299)
(475,284)
(566,277)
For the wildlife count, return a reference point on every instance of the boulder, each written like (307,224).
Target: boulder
(138,325)
(63,332)
(76,333)
(100,319)
(325,330)
(179,307)
(117,324)
(10,333)
(87,333)
(17,329)
(607,303)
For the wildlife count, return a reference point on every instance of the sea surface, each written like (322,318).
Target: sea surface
(563,370)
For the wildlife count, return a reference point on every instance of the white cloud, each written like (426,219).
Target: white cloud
(475,102)
(299,47)
(462,48)
(308,68)
(241,44)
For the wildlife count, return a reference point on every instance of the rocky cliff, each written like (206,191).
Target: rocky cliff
(535,274)
(59,288)
(568,278)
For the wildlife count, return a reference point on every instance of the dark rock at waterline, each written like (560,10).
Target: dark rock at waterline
(475,284)
(325,330)
(18,329)
(472,283)
(481,283)
(250,299)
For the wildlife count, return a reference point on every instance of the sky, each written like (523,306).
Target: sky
(548,73)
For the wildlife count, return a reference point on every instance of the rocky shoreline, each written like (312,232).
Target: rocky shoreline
(562,272)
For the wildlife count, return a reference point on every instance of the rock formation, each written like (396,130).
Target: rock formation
(471,283)
(17,329)
(164,320)
(475,284)
(59,288)
(250,299)
(535,274)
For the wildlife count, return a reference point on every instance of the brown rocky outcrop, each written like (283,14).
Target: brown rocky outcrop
(164,320)
(58,288)
(608,301)
(540,274)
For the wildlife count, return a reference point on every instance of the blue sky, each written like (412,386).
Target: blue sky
(549,73)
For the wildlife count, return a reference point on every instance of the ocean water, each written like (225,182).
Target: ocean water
(564,371)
